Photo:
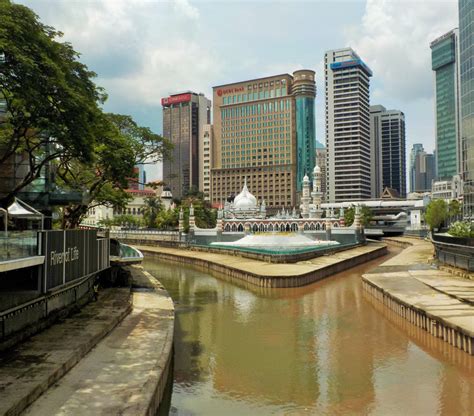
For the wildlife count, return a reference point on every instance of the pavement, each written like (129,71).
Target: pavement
(412,279)
(29,369)
(263,269)
(125,374)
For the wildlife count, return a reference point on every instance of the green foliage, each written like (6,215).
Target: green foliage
(204,215)
(124,220)
(454,208)
(167,219)
(54,118)
(51,101)
(365,216)
(462,229)
(436,213)
(151,211)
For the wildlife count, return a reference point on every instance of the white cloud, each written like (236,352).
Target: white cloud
(164,69)
(185,7)
(394,40)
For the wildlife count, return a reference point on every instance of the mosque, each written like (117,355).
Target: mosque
(246,215)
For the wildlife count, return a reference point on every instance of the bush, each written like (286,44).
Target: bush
(462,229)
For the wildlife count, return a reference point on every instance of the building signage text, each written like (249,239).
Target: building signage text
(71,254)
(176,99)
(223,91)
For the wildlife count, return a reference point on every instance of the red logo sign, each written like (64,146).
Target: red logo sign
(220,92)
(176,99)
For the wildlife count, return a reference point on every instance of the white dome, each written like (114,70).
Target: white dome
(245,200)
(305,179)
(317,169)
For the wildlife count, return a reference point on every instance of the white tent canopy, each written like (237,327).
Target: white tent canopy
(15,210)
(20,209)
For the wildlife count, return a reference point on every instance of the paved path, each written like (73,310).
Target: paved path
(30,368)
(411,280)
(264,269)
(127,371)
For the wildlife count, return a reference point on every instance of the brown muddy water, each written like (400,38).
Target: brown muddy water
(324,349)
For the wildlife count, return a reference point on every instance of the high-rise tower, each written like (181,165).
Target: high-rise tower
(388,150)
(184,117)
(347,126)
(445,64)
(466,54)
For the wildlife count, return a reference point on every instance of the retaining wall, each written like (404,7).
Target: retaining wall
(422,319)
(284,281)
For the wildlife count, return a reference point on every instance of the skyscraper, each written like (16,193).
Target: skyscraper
(184,116)
(417,148)
(424,171)
(347,126)
(388,150)
(466,37)
(264,133)
(445,64)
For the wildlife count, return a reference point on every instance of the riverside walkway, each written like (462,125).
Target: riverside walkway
(266,274)
(125,372)
(431,299)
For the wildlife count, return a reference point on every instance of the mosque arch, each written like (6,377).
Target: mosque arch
(261,228)
(335,224)
(287,227)
(306,227)
(234,228)
(227,228)
(318,226)
(323,227)
(255,228)
(270,227)
(282,227)
(312,227)
(240,228)
(294,227)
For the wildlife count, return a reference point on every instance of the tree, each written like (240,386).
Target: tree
(122,146)
(365,216)
(454,208)
(52,104)
(436,213)
(151,211)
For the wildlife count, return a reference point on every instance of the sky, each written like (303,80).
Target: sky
(143,50)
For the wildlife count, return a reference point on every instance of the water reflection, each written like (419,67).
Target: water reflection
(322,349)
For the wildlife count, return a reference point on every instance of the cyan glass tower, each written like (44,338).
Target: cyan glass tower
(445,63)
(466,38)
(304,91)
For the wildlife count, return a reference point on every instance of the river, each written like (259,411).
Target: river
(324,349)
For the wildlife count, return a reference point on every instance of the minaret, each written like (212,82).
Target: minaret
(317,194)
(305,199)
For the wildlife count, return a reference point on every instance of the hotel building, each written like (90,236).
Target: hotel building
(347,81)
(445,64)
(264,133)
(321,158)
(184,117)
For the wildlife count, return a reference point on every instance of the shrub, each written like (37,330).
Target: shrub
(462,229)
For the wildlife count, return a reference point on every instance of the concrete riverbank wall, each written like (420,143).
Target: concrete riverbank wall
(270,275)
(403,285)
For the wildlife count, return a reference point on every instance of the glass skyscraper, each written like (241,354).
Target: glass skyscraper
(466,37)
(445,63)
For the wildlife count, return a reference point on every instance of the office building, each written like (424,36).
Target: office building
(466,54)
(424,172)
(184,116)
(417,148)
(205,160)
(388,153)
(347,126)
(264,133)
(321,157)
(445,64)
